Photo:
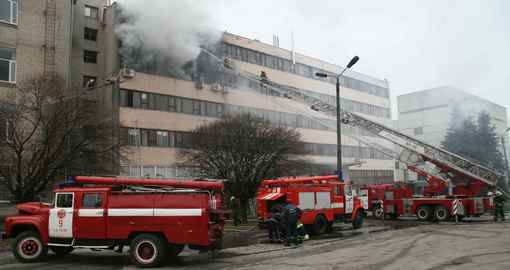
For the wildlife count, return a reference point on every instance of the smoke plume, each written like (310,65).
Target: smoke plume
(161,36)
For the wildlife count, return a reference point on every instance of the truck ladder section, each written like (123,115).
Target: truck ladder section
(126,181)
(446,161)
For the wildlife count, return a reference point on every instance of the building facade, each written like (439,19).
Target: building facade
(50,38)
(157,112)
(427,114)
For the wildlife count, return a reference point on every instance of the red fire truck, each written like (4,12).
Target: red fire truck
(155,217)
(434,202)
(323,200)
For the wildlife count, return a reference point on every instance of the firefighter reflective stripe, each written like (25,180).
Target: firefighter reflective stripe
(149,212)
(91,212)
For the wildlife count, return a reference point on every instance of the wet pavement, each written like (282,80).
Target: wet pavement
(388,244)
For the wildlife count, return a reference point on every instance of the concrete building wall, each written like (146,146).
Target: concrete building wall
(47,40)
(427,114)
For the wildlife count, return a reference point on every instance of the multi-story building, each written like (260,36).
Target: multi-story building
(47,38)
(427,114)
(76,40)
(157,112)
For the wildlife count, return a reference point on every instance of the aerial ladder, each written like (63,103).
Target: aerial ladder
(462,176)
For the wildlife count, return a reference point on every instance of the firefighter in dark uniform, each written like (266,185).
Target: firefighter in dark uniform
(291,215)
(274,224)
(499,205)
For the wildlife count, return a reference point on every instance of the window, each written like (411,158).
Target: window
(144,101)
(89,82)
(162,138)
(9,11)
(89,57)
(133,136)
(196,107)
(187,106)
(418,131)
(64,200)
(90,34)
(92,200)
(148,137)
(136,99)
(7,64)
(91,11)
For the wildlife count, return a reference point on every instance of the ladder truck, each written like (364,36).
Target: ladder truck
(456,185)
(157,218)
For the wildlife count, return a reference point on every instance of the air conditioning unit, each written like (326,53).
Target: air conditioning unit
(199,84)
(216,87)
(128,73)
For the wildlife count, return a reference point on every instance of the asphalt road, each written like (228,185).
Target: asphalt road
(392,245)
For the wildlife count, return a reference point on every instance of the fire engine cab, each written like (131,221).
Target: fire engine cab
(155,217)
(322,199)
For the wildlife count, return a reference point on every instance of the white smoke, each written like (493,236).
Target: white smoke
(169,29)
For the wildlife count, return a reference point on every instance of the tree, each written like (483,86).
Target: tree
(50,135)
(244,150)
(477,141)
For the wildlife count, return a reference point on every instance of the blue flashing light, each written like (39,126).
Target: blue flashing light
(339,173)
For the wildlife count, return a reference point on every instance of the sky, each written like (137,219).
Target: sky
(413,44)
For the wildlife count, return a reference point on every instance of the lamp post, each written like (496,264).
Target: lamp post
(338,109)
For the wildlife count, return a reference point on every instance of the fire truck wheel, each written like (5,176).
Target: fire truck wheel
(441,213)
(28,247)
(62,250)
(148,250)
(423,213)
(174,250)
(378,212)
(320,225)
(357,223)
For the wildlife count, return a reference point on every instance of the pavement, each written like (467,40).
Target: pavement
(400,244)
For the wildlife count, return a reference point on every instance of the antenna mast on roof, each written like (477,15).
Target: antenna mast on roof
(276,41)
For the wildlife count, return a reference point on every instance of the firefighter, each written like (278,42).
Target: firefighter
(301,233)
(235,206)
(274,224)
(499,205)
(291,216)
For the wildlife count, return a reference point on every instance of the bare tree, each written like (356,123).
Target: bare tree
(50,134)
(244,150)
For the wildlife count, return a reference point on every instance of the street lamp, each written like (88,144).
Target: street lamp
(338,122)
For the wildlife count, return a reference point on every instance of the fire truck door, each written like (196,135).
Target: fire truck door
(349,201)
(61,216)
(90,221)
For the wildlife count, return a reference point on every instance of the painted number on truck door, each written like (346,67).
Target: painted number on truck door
(61,216)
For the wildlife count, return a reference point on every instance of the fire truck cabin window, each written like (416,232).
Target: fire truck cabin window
(92,200)
(64,200)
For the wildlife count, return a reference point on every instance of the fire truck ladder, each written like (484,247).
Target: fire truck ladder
(439,157)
